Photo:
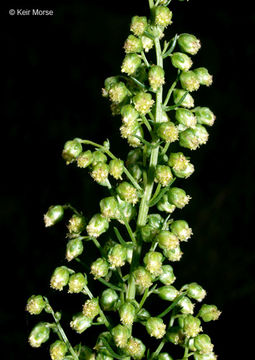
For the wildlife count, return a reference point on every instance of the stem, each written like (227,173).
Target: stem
(159,348)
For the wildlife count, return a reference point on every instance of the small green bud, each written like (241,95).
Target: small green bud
(133,140)
(168,131)
(181,229)
(209,313)
(58,350)
(118,92)
(203,76)
(167,277)
(168,293)
(108,83)
(164,356)
(175,335)
(97,225)
(186,117)
(155,221)
(91,308)
(136,171)
(134,156)
(127,192)
(188,139)
(147,42)
(143,102)
(116,168)
(156,77)
(133,45)
(100,172)
(84,159)
(167,240)
(35,304)
(109,207)
(164,205)
(121,334)
(53,215)
(101,356)
(163,16)
(186,305)
(80,323)
(178,197)
(204,116)
(72,150)
(76,224)
(153,261)
(147,233)
(210,356)
(196,292)
(188,101)
(189,43)
(131,63)
(85,353)
(155,327)
(74,248)
(99,268)
(98,157)
(128,113)
(142,277)
(190,325)
(39,335)
(181,61)
(180,165)
(201,134)
(76,283)
(127,313)
(59,278)
(163,175)
(126,210)
(117,256)
(138,25)
(173,254)
(129,128)
(108,299)
(189,81)
(203,344)
(143,314)
(135,348)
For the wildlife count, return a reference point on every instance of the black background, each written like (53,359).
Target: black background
(54,72)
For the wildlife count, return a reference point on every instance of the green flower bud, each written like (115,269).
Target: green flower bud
(138,25)
(118,92)
(100,172)
(186,305)
(129,128)
(155,327)
(101,356)
(163,16)
(175,335)
(210,356)
(189,81)
(117,256)
(100,344)
(127,313)
(153,261)
(99,268)
(127,192)
(168,131)
(109,207)
(121,334)
(126,210)
(85,353)
(142,277)
(204,116)
(108,299)
(39,335)
(72,150)
(98,157)
(203,344)
(133,140)
(108,83)
(143,102)
(196,292)
(155,221)
(164,205)
(209,313)
(84,159)
(116,168)
(35,304)
(147,42)
(58,350)
(80,323)
(188,101)
(164,356)
(185,117)
(181,229)
(180,165)
(163,175)
(76,283)
(147,233)
(131,63)
(189,43)
(135,348)
(178,197)
(167,240)
(190,325)
(136,171)
(173,254)
(201,134)
(59,278)
(97,225)
(156,77)
(181,61)
(203,76)
(133,157)
(74,248)
(143,314)
(76,224)
(188,139)
(168,293)
(91,308)
(167,277)
(53,215)
(133,45)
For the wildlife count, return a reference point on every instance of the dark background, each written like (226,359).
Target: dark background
(54,72)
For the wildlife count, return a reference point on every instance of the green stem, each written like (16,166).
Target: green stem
(159,348)
(145,59)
